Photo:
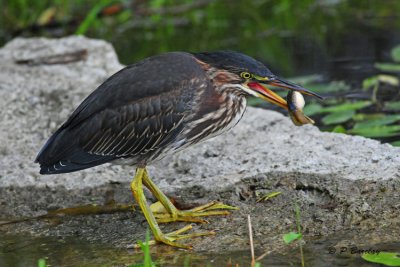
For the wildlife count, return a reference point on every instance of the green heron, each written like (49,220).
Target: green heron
(157,107)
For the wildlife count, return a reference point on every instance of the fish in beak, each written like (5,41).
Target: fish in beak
(295,101)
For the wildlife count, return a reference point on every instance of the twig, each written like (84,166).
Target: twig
(64,58)
(253,261)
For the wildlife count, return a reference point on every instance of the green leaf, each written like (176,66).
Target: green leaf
(334,86)
(307,79)
(124,16)
(385,120)
(292,236)
(347,106)
(389,79)
(396,53)
(338,117)
(385,258)
(41,263)
(157,3)
(370,82)
(392,67)
(377,131)
(268,196)
(363,116)
(395,105)
(339,129)
(312,109)
(382,78)
(395,143)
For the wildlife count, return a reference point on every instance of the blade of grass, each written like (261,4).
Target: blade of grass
(91,16)
(268,196)
(145,247)
(298,222)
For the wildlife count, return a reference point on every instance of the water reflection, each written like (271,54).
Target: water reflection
(25,250)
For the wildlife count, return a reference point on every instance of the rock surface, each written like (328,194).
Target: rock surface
(340,181)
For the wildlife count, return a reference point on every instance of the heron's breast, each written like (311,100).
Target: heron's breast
(210,120)
(215,122)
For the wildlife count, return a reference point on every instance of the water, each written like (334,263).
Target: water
(25,250)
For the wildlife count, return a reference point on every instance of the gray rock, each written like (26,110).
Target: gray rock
(339,181)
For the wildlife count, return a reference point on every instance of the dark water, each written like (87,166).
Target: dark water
(342,39)
(25,250)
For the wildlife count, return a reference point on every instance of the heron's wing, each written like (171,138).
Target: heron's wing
(151,77)
(134,129)
(134,111)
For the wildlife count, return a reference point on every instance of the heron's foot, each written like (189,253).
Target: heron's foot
(192,215)
(170,238)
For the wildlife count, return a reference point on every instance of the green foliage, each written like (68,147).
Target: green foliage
(315,108)
(390,67)
(396,53)
(274,31)
(371,118)
(346,107)
(350,114)
(395,143)
(385,258)
(375,80)
(145,247)
(268,196)
(339,129)
(19,14)
(41,263)
(393,106)
(366,118)
(376,120)
(312,109)
(324,88)
(377,131)
(264,29)
(92,16)
(338,117)
(292,236)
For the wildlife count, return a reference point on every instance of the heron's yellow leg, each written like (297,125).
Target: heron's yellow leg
(176,235)
(172,214)
(137,190)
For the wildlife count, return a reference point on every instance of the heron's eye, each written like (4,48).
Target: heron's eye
(246,75)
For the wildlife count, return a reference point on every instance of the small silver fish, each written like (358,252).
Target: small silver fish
(295,102)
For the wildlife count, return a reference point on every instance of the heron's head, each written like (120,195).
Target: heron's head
(235,70)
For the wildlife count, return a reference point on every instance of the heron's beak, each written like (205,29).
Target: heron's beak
(265,93)
(281,83)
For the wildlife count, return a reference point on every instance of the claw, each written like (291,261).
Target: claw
(192,215)
(170,238)
(214,206)
(165,211)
